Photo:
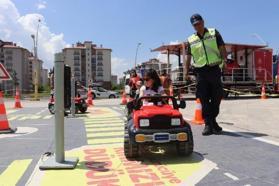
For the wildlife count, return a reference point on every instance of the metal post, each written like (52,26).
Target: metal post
(137,54)
(184,61)
(168,61)
(58,161)
(73,108)
(59,107)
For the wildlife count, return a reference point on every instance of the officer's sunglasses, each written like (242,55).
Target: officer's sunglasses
(197,24)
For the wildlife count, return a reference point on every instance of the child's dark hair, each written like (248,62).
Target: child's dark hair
(152,74)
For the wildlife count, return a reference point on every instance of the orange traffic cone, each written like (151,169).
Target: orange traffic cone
(123,99)
(17,99)
(263,95)
(4,123)
(198,119)
(89,98)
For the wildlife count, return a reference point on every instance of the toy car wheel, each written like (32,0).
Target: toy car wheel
(83,109)
(130,150)
(185,148)
(51,108)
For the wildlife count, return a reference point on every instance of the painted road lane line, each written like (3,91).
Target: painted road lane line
(261,139)
(14,172)
(103,130)
(107,134)
(102,127)
(231,176)
(107,141)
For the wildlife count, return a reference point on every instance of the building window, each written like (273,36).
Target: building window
(99,74)
(100,64)
(76,57)
(100,57)
(9,58)
(9,52)
(76,52)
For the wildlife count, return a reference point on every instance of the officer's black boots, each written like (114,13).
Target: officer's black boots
(207,130)
(216,127)
(211,127)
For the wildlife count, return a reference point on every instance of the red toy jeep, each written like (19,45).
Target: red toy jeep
(158,123)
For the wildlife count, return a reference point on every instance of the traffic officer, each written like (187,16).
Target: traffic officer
(207,48)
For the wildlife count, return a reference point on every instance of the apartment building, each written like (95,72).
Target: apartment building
(89,63)
(19,62)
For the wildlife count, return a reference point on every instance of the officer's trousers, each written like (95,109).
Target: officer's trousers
(210,92)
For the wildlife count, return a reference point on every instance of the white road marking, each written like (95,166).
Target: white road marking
(198,176)
(261,139)
(40,112)
(231,176)
(36,176)
(21,131)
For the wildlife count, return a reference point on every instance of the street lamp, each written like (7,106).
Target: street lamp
(36,63)
(137,54)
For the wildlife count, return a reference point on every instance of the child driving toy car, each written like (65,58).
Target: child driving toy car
(152,85)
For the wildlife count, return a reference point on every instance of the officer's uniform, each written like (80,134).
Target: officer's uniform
(207,59)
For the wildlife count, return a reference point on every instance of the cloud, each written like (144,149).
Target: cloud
(119,65)
(41,5)
(18,28)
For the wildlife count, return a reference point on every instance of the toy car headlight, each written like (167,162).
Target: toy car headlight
(175,121)
(144,122)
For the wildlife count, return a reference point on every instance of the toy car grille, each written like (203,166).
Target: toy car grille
(160,122)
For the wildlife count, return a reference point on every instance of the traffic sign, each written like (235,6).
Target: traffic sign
(4,75)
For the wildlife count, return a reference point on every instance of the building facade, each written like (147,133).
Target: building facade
(20,64)
(89,63)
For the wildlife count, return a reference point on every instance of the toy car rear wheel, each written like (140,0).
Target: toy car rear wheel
(185,148)
(83,109)
(51,108)
(130,150)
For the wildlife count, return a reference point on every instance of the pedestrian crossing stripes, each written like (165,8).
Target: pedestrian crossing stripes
(104,127)
(14,172)
(23,117)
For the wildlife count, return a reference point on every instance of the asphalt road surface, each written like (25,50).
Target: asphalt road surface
(232,158)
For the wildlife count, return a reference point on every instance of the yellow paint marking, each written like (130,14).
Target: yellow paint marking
(100,128)
(104,121)
(14,172)
(104,124)
(48,117)
(105,134)
(11,111)
(100,165)
(12,118)
(104,130)
(99,141)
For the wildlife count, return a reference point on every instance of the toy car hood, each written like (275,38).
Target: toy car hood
(153,110)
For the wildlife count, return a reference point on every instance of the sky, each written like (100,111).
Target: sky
(122,24)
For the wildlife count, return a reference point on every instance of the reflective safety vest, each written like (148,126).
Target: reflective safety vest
(205,51)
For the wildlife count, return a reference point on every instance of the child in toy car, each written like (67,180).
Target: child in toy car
(154,122)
